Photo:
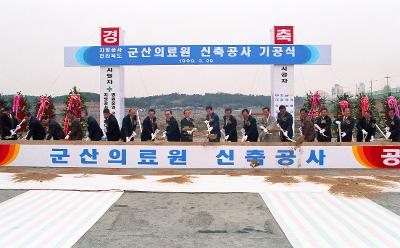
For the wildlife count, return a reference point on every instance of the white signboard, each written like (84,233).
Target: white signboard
(199,156)
(282,86)
(112,92)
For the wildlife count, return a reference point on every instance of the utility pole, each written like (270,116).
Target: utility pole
(387,81)
(370,86)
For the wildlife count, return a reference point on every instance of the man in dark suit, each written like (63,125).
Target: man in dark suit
(213,122)
(113,132)
(250,126)
(187,127)
(5,123)
(94,131)
(149,125)
(75,127)
(35,128)
(230,125)
(347,125)
(366,127)
(394,126)
(285,121)
(54,130)
(172,131)
(129,126)
(307,127)
(324,122)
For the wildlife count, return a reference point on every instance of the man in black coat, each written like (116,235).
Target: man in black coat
(35,128)
(213,121)
(394,126)
(230,125)
(5,123)
(285,121)
(54,130)
(149,125)
(129,124)
(324,122)
(172,131)
(347,125)
(187,127)
(366,126)
(94,131)
(250,126)
(113,132)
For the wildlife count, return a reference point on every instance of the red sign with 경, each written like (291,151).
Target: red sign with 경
(110,36)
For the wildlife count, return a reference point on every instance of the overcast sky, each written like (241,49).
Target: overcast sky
(364,34)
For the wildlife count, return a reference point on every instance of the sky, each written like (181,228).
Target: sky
(364,34)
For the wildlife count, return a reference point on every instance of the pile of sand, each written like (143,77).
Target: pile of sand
(281,179)
(351,187)
(133,177)
(34,176)
(179,179)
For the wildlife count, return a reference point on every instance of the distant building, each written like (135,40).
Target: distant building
(324,94)
(360,88)
(337,90)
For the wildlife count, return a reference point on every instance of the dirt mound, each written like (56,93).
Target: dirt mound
(133,177)
(34,176)
(281,179)
(179,180)
(351,187)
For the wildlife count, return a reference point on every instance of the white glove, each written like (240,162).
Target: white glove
(322,131)
(164,134)
(244,138)
(388,135)
(191,131)
(87,139)
(153,135)
(337,122)
(364,132)
(344,134)
(13,132)
(227,137)
(285,133)
(264,128)
(209,129)
(243,131)
(223,132)
(372,139)
(128,139)
(387,129)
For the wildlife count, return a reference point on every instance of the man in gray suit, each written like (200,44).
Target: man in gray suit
(268,126)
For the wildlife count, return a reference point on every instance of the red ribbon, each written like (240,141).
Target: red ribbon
(16,100)
(343,104)
(314,104)
(392,103)
(44,103)
(364,104)
(74,105)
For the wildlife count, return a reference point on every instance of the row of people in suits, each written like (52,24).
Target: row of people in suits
(272,129)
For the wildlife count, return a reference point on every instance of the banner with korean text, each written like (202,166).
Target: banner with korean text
(198,156)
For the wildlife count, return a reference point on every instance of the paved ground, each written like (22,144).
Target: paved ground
(195,219)
(8,194)
(186,220)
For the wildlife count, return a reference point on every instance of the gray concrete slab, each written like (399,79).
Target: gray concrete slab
(186,220)
(8,194)
(388,200)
